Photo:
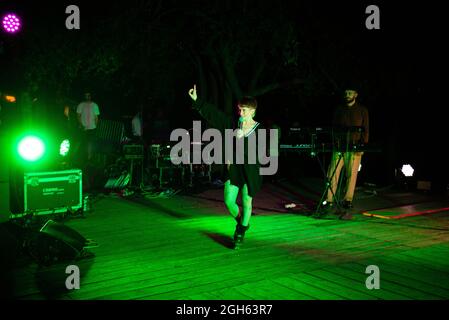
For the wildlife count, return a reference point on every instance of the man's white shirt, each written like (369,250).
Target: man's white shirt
(88,111)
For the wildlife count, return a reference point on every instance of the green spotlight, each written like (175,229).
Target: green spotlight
(31,148)
(64,147)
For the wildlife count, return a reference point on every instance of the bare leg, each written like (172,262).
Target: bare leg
(247,206)
(243,225)
(230,198)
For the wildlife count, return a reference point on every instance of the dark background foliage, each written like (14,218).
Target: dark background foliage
(295,57)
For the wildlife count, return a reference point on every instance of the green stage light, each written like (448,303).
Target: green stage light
(31,148)
(64,147)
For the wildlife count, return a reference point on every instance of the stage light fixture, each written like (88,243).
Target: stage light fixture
(10,98)
(407,170)
(11,23)
(64,147)
(31,148)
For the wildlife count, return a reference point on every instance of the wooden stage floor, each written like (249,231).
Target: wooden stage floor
(179,248)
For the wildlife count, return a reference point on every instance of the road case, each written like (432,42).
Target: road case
(53,192)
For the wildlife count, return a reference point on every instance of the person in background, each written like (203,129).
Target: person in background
(88,112)
(136,126)
(351,114)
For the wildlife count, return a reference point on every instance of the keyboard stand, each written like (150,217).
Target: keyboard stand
(328,180)
(328,187)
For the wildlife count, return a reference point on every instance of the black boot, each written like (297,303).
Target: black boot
(239,235)
(239,218)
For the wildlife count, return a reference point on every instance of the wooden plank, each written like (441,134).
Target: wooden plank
(269,289)
(429,267)
(409,210)
(343,280)
(432,254)
(293,282)
(151,252)
(345,292)
(433,263)
(188,278)
(411,277)
(390,283)
(357,277)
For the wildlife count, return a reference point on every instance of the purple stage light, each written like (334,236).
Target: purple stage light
(11,23)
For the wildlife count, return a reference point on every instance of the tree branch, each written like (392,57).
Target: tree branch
(229,71)
(259,66)
(274,86)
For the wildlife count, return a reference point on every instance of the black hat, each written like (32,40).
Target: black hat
(351,85)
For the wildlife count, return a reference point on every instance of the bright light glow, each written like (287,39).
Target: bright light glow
(407,170)
(31,148)
(10,98)
(64,147)
(11,23)
(360,167)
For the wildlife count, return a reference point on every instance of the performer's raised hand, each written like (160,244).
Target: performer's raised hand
(192,93)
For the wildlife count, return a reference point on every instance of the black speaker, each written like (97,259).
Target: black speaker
(56,242)
(5,211)
(4,180)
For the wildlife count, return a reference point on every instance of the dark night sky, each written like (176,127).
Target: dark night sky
(406,50)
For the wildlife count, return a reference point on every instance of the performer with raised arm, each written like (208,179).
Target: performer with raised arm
(244,177)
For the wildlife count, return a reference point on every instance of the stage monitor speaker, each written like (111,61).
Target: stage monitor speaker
(5,210)
(56,242)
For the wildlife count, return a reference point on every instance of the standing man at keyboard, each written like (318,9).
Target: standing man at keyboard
(346,117)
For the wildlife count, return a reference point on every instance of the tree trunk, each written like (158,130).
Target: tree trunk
(229,72)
